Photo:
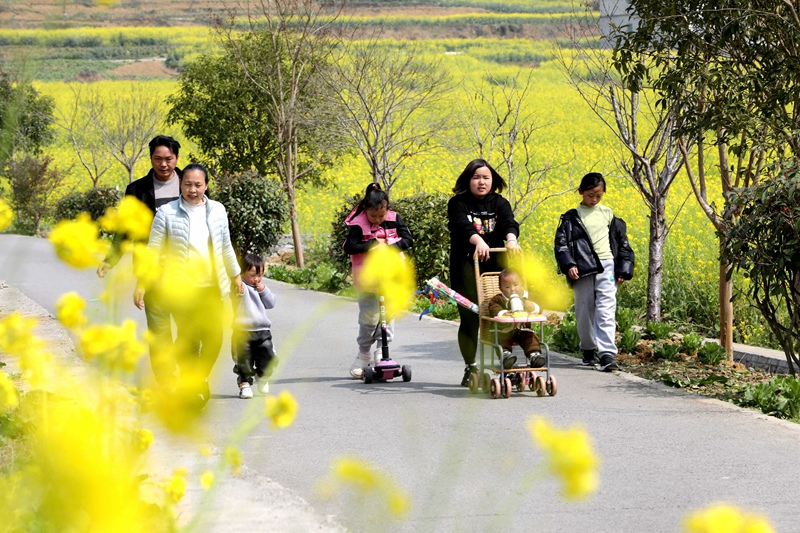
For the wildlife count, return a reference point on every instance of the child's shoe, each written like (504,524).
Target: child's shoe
(537,359)
(589,357)
(245,391)
(508,360)
(607,364)
(357,368)
(471,369)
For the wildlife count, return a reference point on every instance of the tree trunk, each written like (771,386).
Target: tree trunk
(725,309)
(297,239)
(655,267)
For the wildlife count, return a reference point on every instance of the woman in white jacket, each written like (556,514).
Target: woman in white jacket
(192,238)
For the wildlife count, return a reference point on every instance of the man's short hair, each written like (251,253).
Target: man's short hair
(165,140)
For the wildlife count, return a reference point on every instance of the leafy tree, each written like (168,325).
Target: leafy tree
(728,69)
(94,201)
(388,104)
(219,108)
(32,185)
(25,118)
(763,242)
(285,51)
(256,208)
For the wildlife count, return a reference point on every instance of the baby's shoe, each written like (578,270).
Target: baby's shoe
(508,360)
(537,359)
(357,368)
(245,391)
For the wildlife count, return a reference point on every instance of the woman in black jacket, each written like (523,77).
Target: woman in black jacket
(478,219)
(592,250)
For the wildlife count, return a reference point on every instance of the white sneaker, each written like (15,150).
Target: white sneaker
(263,385)
(357,368)
(245,391)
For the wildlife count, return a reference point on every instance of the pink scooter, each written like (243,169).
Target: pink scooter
(385,368)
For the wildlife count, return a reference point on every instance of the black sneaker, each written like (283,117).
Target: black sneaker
(508,360)
(589,357)
(607,364)
(471,369)
(537,360)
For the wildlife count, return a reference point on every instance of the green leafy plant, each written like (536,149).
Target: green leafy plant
(320,276)
(667,350)
(94,201)
(626,318)
(658,331)
(565,337)
(691,343)
(711,353)
(779,397)
(629,340)
(443,309)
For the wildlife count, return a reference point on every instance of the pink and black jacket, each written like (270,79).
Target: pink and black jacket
(363,235)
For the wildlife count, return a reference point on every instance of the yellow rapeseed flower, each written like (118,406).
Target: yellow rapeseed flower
(146,265)
(77,242)
(207,480)
(545,286)
(131,217)
(386,273)
(724,518)
(234,458)
(175,487)
(143,438)
(116,348)
(375,490)
(281,410)
(6,215)
(17,338)
(9,399)
(570,456)
(69,310)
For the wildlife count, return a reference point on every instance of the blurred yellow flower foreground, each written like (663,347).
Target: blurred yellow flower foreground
(724,518)
(387,273)
(570,456)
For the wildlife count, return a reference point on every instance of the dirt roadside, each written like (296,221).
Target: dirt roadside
(247,500)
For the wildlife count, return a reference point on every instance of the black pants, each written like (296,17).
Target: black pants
(253,352)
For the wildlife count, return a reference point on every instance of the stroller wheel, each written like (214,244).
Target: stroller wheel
(552,386)
(532,381)
(494,390)
(541,386)
(473,383)
(507,389)
(487,382)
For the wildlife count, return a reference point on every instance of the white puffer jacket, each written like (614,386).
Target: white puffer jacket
(170,236)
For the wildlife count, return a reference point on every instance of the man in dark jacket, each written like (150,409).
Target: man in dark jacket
(160,186)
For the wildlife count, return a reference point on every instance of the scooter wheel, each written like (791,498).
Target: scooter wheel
(405,371)
(369,374)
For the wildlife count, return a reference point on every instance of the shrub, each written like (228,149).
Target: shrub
(658,331)
(711,353)
(321,276)
(691,343)
(629,340)
(426,217)
(779,397)
(257,209)
(626,318)
(95,202)
(565,337)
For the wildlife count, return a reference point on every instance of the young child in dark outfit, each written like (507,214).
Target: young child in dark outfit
(501,304)
(251,340)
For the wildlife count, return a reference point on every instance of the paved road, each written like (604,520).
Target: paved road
(464,459)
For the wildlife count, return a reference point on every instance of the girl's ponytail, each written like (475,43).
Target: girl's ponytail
(374,197)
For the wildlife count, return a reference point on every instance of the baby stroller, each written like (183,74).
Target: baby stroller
(492,377)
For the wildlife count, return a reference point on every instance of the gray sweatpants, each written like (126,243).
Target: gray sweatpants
(595,310)
(369,318)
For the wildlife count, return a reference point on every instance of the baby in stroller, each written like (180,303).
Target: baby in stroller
(513,297)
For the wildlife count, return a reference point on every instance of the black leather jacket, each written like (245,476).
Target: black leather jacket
(573,248)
